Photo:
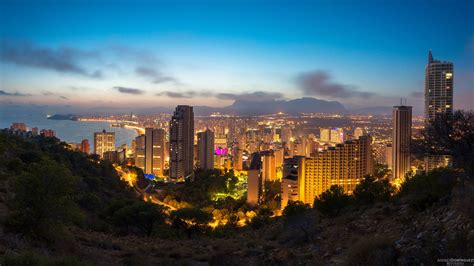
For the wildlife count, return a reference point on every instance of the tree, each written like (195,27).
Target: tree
(190,219)
(295,208)
(451,136)
(44,199)
(332,201)
(144,216)
(370,190)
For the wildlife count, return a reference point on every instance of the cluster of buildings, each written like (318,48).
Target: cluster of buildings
(278,147)
(21,129)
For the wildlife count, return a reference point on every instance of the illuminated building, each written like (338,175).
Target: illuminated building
(154,151)
(47,133)
(111,156)
(85,146)
(401,137)
(182,143)
(18,126)
(358,131)
(437,161)
(324,134)
(104,141)
(254,181)
(205,150)
(268,166)
(438,89)
(237,158)
(289,182)
(344,165)
(337,135)
(139,152)
(388,155)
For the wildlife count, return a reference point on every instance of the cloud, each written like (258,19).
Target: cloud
(63,59)
(417,94)
(248,96)
(172,94)
(320,83)
(252,96)
(155,76)
(64,97)
(5,93)
(129,90)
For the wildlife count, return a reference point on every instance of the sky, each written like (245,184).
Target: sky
(163,53)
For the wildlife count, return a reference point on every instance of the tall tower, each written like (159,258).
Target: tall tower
(182,143)
(154,151)
(438,89)
(401,137)
(104,141)
(205,149)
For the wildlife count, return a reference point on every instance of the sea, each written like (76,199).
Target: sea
(66,130)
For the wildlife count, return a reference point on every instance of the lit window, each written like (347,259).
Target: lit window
(449,75)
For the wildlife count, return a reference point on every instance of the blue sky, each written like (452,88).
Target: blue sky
(151,53)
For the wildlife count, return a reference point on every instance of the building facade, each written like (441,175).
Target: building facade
(401,137)
(182,143)
(104,141)
(344,165)
(205,150)
(439,78)
(155,151)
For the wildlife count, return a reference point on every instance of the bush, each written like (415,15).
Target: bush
(295,208)
(43,200)
(144,216)
(370,190)
(423,190)
(372,251)
(332,201)
(190,219)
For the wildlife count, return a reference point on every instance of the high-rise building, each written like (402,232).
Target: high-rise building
(155,151)
(358,131)
(35,131)
(439,78)
(268,166)
(47,133)
(337,135)
(182,143)
(104,141)
(237,158)
(18,126)
(324,134)
(401,137)
(85,146)
(344,165)
(205,150)
(139,152)
(254,181)
(289,182)
(388,156)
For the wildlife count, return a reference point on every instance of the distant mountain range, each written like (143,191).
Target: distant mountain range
(250,107)
(239,107)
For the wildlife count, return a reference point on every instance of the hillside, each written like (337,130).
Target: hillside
(106,224)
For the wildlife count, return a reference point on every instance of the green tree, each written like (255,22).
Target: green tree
(332,201)
(295,208)
(144,216)
(44,199)
(190,219)
(450,136)
(370,190)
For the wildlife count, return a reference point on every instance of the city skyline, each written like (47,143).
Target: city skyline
(299,50)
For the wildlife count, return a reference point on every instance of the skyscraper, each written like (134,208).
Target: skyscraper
(254,181)
(154,151)
(344,165)
(182,143)
(401,137)
(104,141)
(85,147)
(139,152)
(205,149)
(438,89)
(337,135)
